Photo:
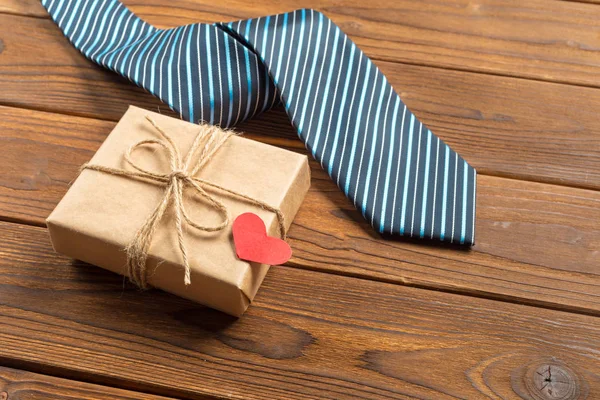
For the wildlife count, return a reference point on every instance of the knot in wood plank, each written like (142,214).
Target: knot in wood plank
(548,379)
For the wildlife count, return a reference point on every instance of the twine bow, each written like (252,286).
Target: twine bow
(181,175)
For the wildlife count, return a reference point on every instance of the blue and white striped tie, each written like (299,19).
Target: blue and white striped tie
(402,178)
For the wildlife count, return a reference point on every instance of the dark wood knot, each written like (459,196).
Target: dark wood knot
(548,379)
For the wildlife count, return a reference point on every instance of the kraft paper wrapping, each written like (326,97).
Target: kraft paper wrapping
(101,213)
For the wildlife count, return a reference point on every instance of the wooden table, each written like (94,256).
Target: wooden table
(513,86)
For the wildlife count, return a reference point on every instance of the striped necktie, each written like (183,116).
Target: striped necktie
(402,178)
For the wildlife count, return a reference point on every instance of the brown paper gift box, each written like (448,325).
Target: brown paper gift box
(101,213)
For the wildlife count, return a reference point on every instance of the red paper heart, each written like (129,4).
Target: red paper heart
(253,244)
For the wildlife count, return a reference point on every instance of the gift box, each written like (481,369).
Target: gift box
(104,210)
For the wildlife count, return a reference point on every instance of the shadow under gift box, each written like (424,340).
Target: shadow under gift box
(101,213)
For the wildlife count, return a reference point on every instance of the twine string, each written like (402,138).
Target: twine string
(206,143)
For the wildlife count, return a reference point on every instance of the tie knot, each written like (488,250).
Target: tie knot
(178,174)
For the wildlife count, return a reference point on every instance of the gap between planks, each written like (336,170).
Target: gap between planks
(583,1)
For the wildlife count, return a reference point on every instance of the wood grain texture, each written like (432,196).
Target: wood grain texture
(502,126)
(29,8)
(307,334)
(22,385)
(536,243)
(538,39)
(459,65)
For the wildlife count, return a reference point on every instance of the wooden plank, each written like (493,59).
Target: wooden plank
(307,335)
(538,39)
(502,126)
(536,243)
(31,8)
(16,384)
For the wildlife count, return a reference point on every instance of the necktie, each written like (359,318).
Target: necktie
(402,178)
